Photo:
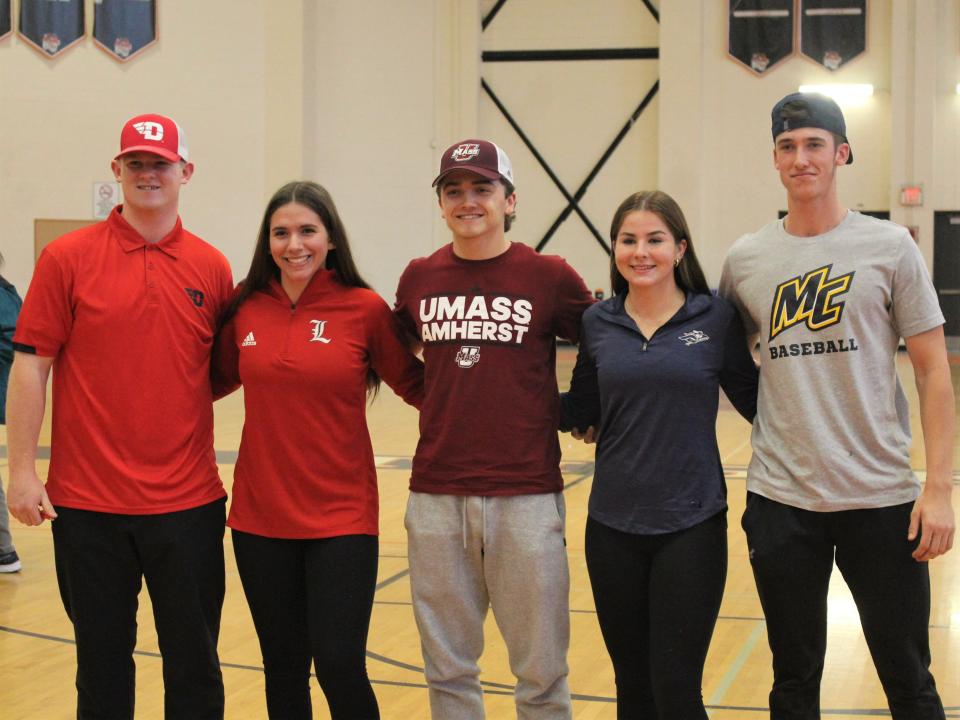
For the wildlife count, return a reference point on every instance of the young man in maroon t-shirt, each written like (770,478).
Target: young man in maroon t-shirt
(123,313)
(485,519)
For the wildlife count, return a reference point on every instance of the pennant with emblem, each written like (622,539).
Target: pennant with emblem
(5,22)
(124,28)
(760,34)
(51,26)
(833,32)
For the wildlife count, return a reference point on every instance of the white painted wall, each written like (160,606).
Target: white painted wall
(60,123)
(363,96)
(926,111)
(716,148)
(572,111)
(370,104)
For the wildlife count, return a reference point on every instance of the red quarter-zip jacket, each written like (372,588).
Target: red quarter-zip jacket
(306,467)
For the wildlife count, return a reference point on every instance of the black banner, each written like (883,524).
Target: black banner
(51,26)
(5,22)
(124,27)
(760,32)
(833,32)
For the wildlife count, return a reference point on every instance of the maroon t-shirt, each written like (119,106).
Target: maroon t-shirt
(488,425)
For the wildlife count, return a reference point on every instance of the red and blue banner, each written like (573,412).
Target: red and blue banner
(51,26)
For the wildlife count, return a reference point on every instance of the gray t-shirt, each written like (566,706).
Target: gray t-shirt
(832,430)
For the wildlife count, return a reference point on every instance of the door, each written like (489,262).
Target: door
(946,271)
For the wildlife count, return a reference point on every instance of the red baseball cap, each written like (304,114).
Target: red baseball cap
(155,134)
(479,156)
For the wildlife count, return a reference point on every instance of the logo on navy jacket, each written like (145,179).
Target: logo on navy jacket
(693,337)
(813,300)
(474,320)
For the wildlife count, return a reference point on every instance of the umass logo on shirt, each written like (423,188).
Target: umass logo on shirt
(490,319)
(475,320)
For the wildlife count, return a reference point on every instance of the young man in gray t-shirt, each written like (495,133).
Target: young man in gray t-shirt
(828,293)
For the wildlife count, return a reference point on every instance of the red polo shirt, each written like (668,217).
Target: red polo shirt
(130,325)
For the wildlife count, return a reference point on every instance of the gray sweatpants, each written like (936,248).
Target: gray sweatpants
(508,553)
(6,539)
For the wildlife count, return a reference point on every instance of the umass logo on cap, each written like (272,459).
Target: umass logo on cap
(465,152)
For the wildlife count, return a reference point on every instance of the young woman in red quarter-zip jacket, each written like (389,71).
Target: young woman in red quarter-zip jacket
(309,341)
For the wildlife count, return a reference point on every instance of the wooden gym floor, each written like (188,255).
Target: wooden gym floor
(37,655)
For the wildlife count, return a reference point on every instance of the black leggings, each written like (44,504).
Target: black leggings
(312,599)
(657,598)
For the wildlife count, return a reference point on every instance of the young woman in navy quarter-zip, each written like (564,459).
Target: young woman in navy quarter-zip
(308,340)
(651,362)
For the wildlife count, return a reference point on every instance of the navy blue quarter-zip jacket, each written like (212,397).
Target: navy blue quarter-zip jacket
(654,402)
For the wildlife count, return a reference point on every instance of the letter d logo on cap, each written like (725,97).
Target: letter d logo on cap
(150,130)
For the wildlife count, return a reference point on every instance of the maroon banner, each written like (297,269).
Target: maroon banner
(51,26)
(760,33)
(833,32)
(124,28)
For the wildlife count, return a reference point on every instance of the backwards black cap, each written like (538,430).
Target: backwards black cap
(799,110)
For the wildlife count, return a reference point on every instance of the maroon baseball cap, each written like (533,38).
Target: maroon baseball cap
(155,134)
(479,156)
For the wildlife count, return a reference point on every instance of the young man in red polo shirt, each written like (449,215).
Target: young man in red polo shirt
(124,312)
(485,520)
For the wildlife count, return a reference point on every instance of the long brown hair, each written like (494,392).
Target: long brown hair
(688,275)
(339,258)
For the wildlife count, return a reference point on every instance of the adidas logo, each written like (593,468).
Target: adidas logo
(248,340)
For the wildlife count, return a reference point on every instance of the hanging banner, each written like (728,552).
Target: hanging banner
(833,32)
(760,33)
(5,22)
(51,26)
(124,27)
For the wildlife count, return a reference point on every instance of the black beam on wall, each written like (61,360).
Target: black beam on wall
(579,54)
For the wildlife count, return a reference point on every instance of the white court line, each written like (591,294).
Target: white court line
(737,665)
(738,448)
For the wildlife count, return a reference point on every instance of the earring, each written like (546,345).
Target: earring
(676,263)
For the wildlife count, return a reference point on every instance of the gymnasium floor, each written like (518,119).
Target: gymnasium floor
(37,655)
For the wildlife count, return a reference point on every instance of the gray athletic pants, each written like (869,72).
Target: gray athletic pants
(6,539)
(467,553)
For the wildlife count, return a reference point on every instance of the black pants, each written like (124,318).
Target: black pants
(101,561)
(312,599)
(792,552)
(657,598)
